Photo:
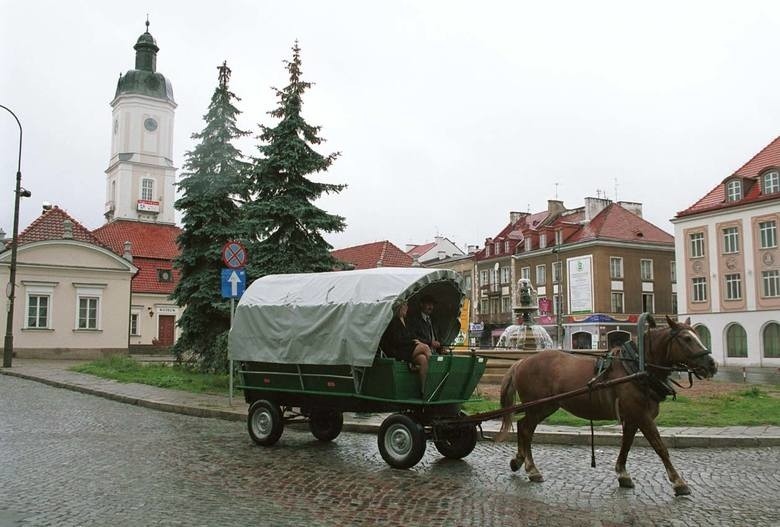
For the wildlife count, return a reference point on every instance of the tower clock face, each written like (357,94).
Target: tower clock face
(150,124)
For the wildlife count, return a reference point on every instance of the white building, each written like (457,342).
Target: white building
(439,249)
(728,263)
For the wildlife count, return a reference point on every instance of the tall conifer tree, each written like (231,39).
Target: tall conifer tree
(283,225)
(211,187)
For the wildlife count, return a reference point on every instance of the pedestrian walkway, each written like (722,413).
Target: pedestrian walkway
(56,373)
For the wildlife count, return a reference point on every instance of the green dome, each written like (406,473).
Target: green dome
(144,79)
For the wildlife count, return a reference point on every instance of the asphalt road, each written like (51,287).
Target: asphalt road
(73,459)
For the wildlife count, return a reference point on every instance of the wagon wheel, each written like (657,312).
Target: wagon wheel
(265,422)
(401,441)
(326,425)
(455,442)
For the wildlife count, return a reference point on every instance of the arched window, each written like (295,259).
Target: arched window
(581,340)
(771,338)
(704,335)
(617,338)
(734,190)
(736,341)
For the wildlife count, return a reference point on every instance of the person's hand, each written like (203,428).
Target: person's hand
(435,344)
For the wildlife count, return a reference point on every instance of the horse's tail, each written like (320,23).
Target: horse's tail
(508,392)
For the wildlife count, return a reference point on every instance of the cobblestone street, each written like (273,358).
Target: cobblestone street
(73,459)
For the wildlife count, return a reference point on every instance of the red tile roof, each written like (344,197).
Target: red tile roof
(715,199)
(371,255)
(419,250)
(48,226)
(513,233)
(149,240)
(147,279)
(618,224)
(153,246)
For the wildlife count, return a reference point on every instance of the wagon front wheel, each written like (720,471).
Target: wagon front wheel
(265,422)
(456,442)
(401,441)
(326,425)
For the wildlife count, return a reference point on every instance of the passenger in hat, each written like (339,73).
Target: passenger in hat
(422,327)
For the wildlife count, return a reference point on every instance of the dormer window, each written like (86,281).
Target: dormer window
(770,182)
(734,190)
(498,247)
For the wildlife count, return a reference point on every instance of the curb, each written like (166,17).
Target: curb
(541,437)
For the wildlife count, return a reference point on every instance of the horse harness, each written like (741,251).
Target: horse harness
(658,389)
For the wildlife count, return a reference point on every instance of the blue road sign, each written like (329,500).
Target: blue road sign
(233,283)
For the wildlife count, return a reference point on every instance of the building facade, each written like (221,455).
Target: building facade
(438,249)
(728,259)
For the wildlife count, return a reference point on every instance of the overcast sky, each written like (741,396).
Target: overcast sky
(448,114)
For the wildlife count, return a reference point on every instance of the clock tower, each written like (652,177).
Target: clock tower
(140,174)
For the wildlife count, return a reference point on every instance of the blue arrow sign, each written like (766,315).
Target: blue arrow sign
(233,283)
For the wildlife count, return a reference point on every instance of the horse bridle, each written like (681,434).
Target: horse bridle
(676,367)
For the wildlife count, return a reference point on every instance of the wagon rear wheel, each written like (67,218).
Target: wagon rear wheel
(401,441)
(265,422)
(456,442)
(326,425)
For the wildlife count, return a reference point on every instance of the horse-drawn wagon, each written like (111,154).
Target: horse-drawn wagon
(308,350)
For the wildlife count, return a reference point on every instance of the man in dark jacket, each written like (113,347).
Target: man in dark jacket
(421,326)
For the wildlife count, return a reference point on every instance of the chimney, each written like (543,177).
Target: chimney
(515,216)
(595,205)
(632,207)
(67,229)
(471,249)
(127,254)
(555,207)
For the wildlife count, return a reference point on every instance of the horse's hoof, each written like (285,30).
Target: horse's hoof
(682,490)
(536,478)
(514,465)
(626,483)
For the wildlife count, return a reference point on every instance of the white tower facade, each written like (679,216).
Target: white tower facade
(140,175)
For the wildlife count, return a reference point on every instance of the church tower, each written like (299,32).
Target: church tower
(140,174)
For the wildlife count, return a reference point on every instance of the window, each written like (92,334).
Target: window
(467,282)
(616,267)
(646,269)
(497,247)
(556,268)
(505,275)
(506,304)
(542,241)
(557,304)
(699,289)
(38,311)
(768,231)
(648,303)
(697,244)
(730,240)
(770,183)
(558,237)
(495,306)
(525,272)
(134,324)
(674,303)
(88,312)
(617,302)
(772,340)
(771,283)
(704,335)
(484,307)
(147,189)
(734,190)
(506,247)
(541,275)
(528,244)
(736,341)
(673,271)
(733,286)
(483,277)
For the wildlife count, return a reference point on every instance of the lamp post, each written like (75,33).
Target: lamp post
(8,343)
(559,303)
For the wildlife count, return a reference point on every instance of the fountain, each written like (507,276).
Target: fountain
(525,334)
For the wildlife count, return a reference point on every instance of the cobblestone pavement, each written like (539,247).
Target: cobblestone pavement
(73,459)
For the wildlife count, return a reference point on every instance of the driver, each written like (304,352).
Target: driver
(421,325)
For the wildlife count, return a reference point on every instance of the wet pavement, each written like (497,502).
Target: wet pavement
(72,459)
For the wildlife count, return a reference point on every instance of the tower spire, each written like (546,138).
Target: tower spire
(147,22)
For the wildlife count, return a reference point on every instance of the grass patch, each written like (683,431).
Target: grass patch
(178,377)
(752,407)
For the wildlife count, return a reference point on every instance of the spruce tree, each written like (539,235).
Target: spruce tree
(211,187)
(284,227)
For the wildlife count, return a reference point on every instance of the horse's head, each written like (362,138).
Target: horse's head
(685,348)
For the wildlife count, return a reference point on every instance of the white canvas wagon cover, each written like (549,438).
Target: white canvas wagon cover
(335,318)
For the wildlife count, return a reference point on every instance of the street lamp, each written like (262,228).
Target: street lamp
(8,345)
(559,303)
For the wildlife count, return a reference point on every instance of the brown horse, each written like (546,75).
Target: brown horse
(633,404)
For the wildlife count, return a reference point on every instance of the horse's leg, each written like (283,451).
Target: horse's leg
(629,431)
(516,462)
(525,433)
(650,431)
